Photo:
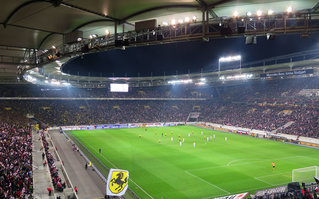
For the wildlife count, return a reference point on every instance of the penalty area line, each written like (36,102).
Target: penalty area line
(201,179)
(256,178)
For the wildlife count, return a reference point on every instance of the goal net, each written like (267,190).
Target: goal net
(305,174)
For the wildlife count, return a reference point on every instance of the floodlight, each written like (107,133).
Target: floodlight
(249,14)
(180,21)
(200,83)
(289,9)
(53,47)
(66,84)
(31,79)
(55,82)
(259,13)
(236,14)
(173,22)
(165,23)
(182,81)
(270,12)
(107,31)
(230,58)
(194,18)
(187,19)
(239,77)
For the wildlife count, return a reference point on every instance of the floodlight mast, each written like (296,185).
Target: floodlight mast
(229,59)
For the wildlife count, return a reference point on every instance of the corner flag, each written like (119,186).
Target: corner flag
(117,182)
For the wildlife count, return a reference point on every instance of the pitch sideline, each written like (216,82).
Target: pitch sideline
(117,168)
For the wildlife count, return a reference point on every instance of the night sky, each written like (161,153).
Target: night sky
(183,57)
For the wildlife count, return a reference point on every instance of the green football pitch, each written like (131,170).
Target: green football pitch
(160,167)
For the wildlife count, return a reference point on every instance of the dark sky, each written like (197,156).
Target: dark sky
(185,56)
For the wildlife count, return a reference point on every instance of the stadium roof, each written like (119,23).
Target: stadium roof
(39,24)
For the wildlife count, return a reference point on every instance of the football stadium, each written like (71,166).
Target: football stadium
(159,99)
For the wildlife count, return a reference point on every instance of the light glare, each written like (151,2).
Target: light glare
(182,81)
(194,18)
(236,14)
(270,12)
(230,58)
(259,13)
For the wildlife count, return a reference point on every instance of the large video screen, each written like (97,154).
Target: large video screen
(119,88)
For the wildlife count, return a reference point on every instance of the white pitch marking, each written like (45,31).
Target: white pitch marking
(273,175)
(207,182)
(263,181)
(229,163)
(117,167)
(245,163)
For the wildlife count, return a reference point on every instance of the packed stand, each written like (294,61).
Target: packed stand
(280,91)
(15,161)
(263,105)
(147,92)
(54,171)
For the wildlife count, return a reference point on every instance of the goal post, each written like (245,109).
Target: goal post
(305,174)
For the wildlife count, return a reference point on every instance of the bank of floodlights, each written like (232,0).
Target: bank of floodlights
(230,58)
(181,81)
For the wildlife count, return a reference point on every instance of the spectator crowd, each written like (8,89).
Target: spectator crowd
(15,162)
(54,171)
(268,106)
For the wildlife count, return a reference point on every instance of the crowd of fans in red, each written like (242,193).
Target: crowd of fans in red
(54,171)
(15,161)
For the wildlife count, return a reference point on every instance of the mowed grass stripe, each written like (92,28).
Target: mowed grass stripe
(216,167)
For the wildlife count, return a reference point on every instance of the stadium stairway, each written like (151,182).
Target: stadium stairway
(87,181)
(41,174)
(283,127)
(68,191)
